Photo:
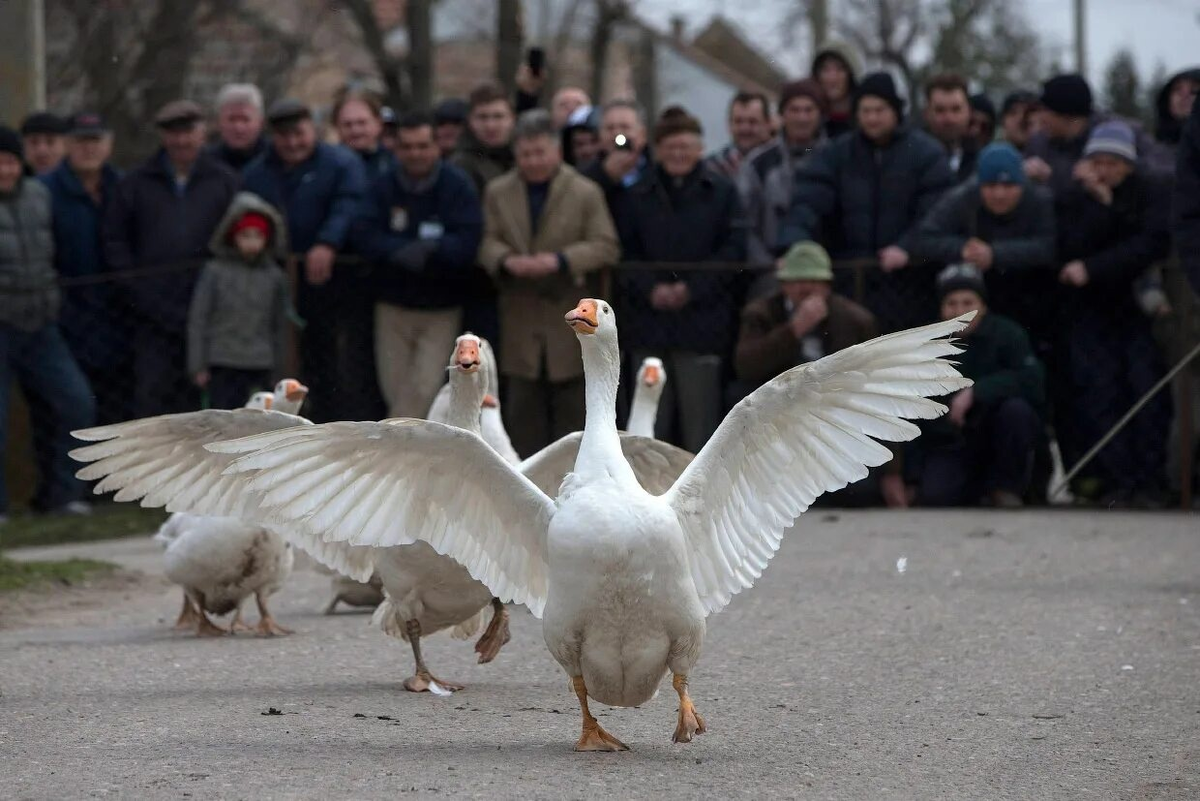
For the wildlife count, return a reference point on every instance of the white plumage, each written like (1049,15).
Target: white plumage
(648,388)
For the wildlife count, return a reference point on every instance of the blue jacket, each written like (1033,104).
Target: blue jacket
(446,213)
(90,318)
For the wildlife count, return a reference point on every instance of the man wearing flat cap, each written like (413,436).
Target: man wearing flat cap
(160,219)
(44,135)
(320,188)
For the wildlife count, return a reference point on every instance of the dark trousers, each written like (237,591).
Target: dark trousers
(539,412)
(692,403)
(231,387)
(160,381)
(337,353)
(994,452)
(60,401)
(1110,367)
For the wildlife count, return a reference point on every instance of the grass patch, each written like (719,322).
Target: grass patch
(107,521)
(18,575)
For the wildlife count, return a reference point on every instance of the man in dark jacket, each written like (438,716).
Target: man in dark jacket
(948,118)
(44,137)
(749,128)
(982,448)
(239,125)
(683,212)
(1172,107)
(160,219)
(1004,228)
(91,320)
(358,117)
(1118,228)
(624,158)
(1186,201)
(421,228)
(32,351)
(863,196)
(320,188)
(835,68)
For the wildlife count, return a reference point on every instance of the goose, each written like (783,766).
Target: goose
(491,423)
(623,579)
(647,391)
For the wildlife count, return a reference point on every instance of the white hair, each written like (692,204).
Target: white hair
(240,93)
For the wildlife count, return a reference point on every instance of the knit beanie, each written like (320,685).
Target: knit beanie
(1000,163)
(881,85)
(960,276)
(251,219)
(805,88)
(1114,138)
(1068,95)
(10,142)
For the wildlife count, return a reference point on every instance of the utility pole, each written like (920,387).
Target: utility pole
(1081,37)
(818,21)
(22,59)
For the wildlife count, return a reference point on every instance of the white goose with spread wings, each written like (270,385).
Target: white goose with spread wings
(623,579)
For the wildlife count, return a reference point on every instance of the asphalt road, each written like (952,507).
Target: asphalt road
(1025,655)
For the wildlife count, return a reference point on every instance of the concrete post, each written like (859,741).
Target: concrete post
(22,58)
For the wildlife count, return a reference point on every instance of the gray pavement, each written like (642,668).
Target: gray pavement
(1024,655)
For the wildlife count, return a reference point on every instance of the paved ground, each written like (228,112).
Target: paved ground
(1015,656)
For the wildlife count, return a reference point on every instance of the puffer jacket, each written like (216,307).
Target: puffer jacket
(239,311)
(29,297)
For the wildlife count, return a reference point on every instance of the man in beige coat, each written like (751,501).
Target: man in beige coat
(547,233)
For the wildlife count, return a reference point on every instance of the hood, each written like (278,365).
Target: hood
(243,202)
(1166,128)
(844,53)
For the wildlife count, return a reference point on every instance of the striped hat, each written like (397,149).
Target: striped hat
(1114,138)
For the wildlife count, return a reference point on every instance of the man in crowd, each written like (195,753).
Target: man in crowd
(767,177)
(983,121)
(865,193)
(546,235)
(422,227)
(683,212)
(1171,110)
(358,118)
(983,447)
(449,120)
(581,137)
(81,189)
(32,350)
(1117,228)
(567,101)
(160,219)
(1016,118)
(1004,228)
(320,188)
(749,128)
(948,118)
(239,125)
(623,158)
(44,137)
(835,69)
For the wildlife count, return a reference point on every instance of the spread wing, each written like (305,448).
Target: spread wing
(398,481)
(808,431)
(656,464)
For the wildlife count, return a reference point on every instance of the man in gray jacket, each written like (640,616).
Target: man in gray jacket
(32,350)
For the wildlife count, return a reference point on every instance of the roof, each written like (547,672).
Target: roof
(724,41)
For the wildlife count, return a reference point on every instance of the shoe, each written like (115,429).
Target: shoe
(77,508)
(1003,499)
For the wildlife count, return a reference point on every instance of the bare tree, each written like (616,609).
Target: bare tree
(812,16)
(887,32)
(509,39)
(607,14)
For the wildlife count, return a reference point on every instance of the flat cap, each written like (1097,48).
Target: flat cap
(179,114)
(43,122)
(287,111)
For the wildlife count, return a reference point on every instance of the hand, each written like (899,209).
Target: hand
(527,82)
(545,264)
(1085,173)
(1074,273)
(960,404)
(519,266)
(683,295)
(201,379)
(662,297)
(893,258)
(808,315)
(620,163)
(1037,169)
(318,264)
(895,494)
(978,252)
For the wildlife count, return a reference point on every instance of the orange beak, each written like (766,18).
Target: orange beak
(652,376)
(295,390)
(584,318)
(467,356)
(268,402)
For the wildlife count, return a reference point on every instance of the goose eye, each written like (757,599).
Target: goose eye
(606,310)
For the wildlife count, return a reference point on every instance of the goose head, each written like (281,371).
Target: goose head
(468,355)
(593,318)
(652,375)
(468,381)
(289,396)
(261,401)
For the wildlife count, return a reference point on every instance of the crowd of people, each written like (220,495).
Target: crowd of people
(829,218)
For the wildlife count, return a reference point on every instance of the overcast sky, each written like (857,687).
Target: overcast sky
(1155,30)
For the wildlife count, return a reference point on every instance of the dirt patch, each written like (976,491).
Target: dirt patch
(58,605)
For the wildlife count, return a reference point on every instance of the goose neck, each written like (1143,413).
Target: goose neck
(601,446)
(642,414)
(466,396)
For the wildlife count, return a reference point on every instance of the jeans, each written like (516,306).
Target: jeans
(56,389)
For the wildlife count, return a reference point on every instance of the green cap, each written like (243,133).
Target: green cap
(805,261)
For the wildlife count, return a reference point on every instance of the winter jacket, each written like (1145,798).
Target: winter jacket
(422,238)
(1022,282)
(856,198)
(575,224)
(239,311)
(696,219)
(153,224)
(237,160)
(1117,244)
(617,194)
(1167,130)
(91,318)
(29,297)
(765,183)
(1185,213)
(377,163)
(482,163)
(1061,155)
(767,346)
